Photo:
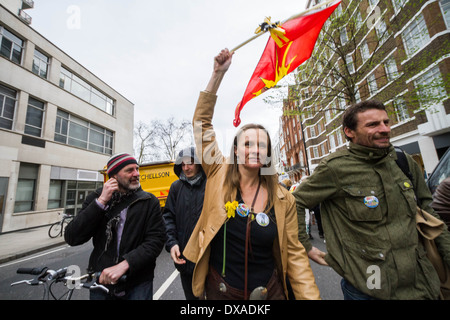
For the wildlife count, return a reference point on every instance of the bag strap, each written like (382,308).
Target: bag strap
(402,162)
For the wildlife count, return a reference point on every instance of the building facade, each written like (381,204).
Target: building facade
(59,124)
(394,51)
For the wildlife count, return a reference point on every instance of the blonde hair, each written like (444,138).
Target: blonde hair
(232,176)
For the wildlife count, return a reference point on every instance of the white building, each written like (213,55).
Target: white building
(59,124)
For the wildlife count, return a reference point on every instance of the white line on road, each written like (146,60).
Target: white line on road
(33,257)
(165,285)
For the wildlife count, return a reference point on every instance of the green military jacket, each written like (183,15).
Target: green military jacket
(368,212)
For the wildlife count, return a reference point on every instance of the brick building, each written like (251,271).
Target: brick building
(395,51)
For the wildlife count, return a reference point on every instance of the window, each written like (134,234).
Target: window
(7,107)
(83,134)
(35,117)
(398,4)
(332,141)
(40,64)
(350,64)
(430,86)
(327,116)
(445,4)
(11,46)
(25,195)
(391,69)
(364,49)
(357,96)
(315,152)
(340,140)
(70,82)
(55,194)
(415,35)
(382,32)
(76,194)
(373,3)
(372,84)
(401,111)
(358,20)
(343,36)
(313,132)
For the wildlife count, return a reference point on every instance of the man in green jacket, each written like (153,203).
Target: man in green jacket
(368,212)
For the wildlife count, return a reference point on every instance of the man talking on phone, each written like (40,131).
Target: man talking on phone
(127,231)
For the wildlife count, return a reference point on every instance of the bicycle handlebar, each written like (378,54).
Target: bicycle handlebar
(44,274)
(32,271)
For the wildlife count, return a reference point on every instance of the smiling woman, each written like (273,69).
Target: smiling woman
(248,255)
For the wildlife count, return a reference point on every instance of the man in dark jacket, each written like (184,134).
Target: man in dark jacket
(127,229)
(182,210)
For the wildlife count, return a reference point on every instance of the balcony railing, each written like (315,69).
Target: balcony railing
(25,16)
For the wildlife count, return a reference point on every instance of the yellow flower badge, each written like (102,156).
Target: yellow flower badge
(230,207)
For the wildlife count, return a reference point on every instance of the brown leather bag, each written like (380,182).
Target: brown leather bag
(216,288)
(429,228)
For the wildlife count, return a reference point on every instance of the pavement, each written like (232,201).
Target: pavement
(18,244)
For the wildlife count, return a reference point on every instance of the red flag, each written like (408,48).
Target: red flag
(284,53)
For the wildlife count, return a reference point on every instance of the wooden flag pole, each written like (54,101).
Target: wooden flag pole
(291,18)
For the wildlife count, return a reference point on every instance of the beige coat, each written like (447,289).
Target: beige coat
(290,256)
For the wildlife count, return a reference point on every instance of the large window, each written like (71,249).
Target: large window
(35,117)
(26,185)
(85,91)
(40,64)
(430,86)
(416,35)
(55,194)
(80,133)
(8,98)
(11,46)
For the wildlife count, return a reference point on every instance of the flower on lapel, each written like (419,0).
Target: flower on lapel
(230,207)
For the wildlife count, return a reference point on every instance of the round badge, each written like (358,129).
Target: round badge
(243,210)
(371,201)
(406,184)
(262,219)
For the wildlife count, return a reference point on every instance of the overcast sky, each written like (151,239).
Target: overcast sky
(159,54)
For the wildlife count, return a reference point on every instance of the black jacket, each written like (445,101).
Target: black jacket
(181,212)
(142,238)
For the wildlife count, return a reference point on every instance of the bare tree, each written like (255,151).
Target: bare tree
(144,138)
(172,135)
(162,139)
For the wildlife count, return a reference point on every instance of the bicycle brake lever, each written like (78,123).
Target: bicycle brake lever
(22,281)
(95,286)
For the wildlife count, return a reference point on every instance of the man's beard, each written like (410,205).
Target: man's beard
(128,185)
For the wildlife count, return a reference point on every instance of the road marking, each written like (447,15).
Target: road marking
(33,257)
(165,285)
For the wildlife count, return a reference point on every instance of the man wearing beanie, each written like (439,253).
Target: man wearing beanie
(127,231)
